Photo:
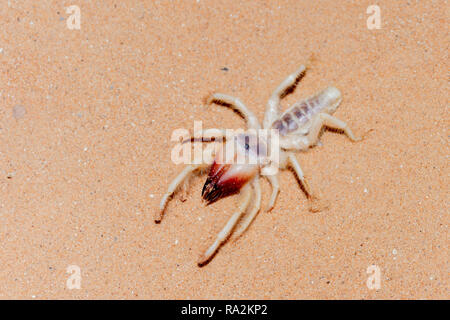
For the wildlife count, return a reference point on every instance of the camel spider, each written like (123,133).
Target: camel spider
(299,128)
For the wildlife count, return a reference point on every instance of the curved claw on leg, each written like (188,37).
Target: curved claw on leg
(316,204)
(159,214)
(273,179)
(365,135)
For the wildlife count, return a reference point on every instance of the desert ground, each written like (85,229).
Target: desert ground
(86,118)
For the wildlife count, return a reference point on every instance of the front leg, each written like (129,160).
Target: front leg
(208,158)
(207,135)
(187,171)
(223,235)
(247,220)
(236,104)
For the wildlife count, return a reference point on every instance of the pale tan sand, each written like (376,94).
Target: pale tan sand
(85,163)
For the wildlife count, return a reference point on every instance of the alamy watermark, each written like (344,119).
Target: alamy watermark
(374,20)
(374,279)
(74,281)
(228,146)
(74,20)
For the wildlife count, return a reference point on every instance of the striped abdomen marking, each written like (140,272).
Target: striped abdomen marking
(302,112)
(299,114)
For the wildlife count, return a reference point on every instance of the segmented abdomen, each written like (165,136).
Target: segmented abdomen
(299,114)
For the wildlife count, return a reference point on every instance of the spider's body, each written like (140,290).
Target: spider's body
(299,128)
(298,118)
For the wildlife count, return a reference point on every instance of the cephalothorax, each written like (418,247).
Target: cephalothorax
(299,128)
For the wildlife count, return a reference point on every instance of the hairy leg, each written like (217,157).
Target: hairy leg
(273,180)
(187,171)
(207,135)
(206,161)
(315,204)
(226,231)
(272,109)
(298,171)
(324,119)
(236,104)
(254,211)
(303,142)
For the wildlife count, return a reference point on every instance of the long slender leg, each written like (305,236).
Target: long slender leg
(303,142)
(226,231)
(187,171)
(236,104)
(324,119)
(315,204)
(272,109)
(273,179)
(206,161)
(254,211)
(207,135)
(298,171)
(295,142)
